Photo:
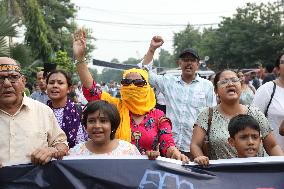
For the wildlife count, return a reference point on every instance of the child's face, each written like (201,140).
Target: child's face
(246,142)
(98,127)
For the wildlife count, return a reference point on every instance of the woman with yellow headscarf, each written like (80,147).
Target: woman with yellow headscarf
(141,124)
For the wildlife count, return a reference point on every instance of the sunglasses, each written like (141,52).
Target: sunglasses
(281,61)
(227,81)
(136,82)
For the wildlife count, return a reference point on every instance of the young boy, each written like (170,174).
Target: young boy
(244,135)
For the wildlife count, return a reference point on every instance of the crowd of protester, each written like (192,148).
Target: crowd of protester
(230,115)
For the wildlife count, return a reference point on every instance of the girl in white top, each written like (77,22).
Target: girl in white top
(275,113)
(101,120)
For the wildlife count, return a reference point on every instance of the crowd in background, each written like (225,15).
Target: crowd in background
(188,118)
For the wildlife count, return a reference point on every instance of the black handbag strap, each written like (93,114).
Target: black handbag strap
(273,92)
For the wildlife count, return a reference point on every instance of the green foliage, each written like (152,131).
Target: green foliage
(111,74)
(14,7)
(36,35)
(64,62)
(30,73)
(189,37)
(115,60)
(57,14)
(95,74)
(131,61)
(8,28)
(23,54)
(166,60)
(254,33)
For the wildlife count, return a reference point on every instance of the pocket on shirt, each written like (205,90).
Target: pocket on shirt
(199,99)
(37,137)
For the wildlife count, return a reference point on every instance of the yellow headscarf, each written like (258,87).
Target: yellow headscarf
(137,100)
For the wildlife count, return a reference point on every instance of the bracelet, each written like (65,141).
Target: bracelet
(81,61)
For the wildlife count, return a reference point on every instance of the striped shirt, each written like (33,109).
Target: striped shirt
(184,102)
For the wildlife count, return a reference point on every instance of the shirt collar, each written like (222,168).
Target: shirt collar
(196,79)
(25,103)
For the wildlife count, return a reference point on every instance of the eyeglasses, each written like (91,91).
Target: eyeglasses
(227,81)
(281,61)
(188,59)
(136,82)
(11,78)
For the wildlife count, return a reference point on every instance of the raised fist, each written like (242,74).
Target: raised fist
(156,42)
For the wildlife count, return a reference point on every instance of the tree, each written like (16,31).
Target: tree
(115,60)
(165,60)
(111,74)
(131,61)
(57,15)
(95,74)
(23,54)
(254,33)
(36,35)
(188,38)
(8,28)
(64,62)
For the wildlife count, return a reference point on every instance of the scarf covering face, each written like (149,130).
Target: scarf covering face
(137,100)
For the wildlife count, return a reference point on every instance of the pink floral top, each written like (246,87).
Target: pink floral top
(148,134)
(123,148)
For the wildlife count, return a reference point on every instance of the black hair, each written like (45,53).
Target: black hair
(277,63)
(107,109)
(241,122)
(269,68)
(67,76)
(217,77)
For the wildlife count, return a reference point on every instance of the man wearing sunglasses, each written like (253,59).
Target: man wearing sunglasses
(185,96)
(29,129)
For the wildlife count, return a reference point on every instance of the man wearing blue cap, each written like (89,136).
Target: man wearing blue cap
(185,95)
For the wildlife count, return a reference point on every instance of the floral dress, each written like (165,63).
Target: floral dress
(149,133)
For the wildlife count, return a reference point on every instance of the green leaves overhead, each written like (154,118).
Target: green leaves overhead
(8,28)
(255,33)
